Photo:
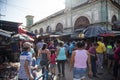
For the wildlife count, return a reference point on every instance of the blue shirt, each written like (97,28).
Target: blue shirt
(61,54)
(25,56)
(71,47)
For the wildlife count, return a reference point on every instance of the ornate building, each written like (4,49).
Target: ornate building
(77,15)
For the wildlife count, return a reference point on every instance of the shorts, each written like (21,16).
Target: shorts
(79,73)
(52,66)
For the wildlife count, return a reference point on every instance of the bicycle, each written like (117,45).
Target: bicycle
(46,74)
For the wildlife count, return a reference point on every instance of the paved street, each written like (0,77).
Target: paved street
(106,74)
(68,74)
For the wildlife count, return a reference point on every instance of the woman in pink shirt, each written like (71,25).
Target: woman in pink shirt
(79,60)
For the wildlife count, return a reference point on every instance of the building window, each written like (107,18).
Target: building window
(114,18)
(81,22)
(41,31)
(36,32)
(48,30)
(116,24)
(59,27)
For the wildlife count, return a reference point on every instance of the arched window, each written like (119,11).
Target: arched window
(48,30)
(36,32)
(115,25)
(114,18)
(59,27)
(41,31)
(82,21)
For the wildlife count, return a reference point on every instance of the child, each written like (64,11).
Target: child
(52,61)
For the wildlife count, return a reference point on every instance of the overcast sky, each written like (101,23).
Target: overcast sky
(16,10)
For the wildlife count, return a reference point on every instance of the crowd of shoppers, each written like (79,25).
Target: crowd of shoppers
(81,58)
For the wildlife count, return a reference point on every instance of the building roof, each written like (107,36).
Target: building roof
(5,33)
(9,26)
(51,16)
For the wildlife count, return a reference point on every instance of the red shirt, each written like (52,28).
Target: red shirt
(92,50)
(53,57)
(116,56)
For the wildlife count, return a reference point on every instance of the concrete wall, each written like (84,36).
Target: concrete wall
(92,12)
(112,10)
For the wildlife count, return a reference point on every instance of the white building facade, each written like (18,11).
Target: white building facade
(77,15)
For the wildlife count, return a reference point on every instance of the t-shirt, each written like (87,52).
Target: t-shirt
(109,49)
(71,47)
(25,56)
(117,51)
(101,47)
(52,58)
(92,50)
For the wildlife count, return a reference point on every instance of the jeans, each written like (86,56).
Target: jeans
(100,59)
(93,65)
(79,73)
(61,63)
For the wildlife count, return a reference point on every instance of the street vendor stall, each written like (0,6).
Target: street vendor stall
(9,50)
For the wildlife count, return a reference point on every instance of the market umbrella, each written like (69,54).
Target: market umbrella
(107,34)
(94,31)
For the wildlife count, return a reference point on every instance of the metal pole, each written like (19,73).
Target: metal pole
(107,14)
(71,15)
